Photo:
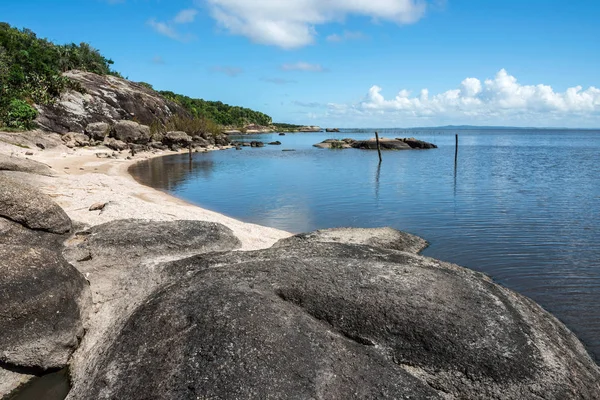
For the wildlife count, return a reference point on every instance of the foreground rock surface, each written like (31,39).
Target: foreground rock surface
(44,302)
(332,320)
(25,204)
(20,164)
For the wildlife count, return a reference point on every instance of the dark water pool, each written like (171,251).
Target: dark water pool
(522,206)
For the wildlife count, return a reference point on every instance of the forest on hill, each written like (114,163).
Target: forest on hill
(31,72)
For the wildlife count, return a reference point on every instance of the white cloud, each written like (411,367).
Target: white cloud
(163,28)
(167,29)
(185,16)
(278,81)
(291,23)
(499,99)
(346,35)
(303,66)
(227,70)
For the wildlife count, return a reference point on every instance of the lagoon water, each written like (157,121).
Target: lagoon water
(522,206)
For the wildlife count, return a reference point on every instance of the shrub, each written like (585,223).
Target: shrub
(20,115)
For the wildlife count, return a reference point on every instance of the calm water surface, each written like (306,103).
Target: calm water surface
(523,206)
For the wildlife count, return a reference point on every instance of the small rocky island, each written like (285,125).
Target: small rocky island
(371,144)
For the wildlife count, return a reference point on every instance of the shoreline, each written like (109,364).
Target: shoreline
(82,179)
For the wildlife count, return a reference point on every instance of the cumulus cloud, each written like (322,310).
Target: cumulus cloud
(292,23)
(493,99)
(303,66)
(227,70)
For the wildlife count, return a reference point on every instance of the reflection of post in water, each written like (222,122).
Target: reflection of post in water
(377,175)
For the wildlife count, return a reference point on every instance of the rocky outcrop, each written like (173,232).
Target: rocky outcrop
(74,139)
(8,163)
(114,144)
(98,130)
(26,205)
(104,99)
(371,144)
(44,301)
(332,130)
(332,320)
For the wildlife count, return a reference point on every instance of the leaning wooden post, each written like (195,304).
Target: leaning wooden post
(190,149)
(378,147)
(456,150)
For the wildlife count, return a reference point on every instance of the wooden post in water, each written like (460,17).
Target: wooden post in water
(378,147)
(456,150)
(190,149)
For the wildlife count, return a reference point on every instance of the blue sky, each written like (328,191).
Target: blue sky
(359,63)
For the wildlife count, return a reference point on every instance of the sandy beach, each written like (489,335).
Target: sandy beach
(83,179)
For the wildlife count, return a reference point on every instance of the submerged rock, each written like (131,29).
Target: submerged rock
(44,302)
(307,319)
(26,205)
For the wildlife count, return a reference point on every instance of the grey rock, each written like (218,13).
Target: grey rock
(115,144)
(44,302)
(386,238)
(98,130)
(417,144)
(384,143)
(256,143)
(199,141)
(16,234)
(74,139)
(25,204)
(136,239)
(275,143)
(8,163)
(332,320)
(106,99)
(177,138)
(131,132)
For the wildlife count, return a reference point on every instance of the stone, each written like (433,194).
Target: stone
(107,99)
(131,132)
(281,134)
(386,238)
(74,139)
(8,163)
(336,320)
(28,206)
(384,143)
(177,138)
(417,144)
(199,141)
(41,146)
(98,130)
(114,144)
(256,143)
(13,233)
(275,143)
(44,303)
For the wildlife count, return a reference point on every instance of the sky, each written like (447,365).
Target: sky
(350,63)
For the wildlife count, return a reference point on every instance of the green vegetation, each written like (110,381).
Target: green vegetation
(220,113)
(193,126)
(31,73)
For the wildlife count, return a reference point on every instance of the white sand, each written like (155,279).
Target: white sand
(83,179)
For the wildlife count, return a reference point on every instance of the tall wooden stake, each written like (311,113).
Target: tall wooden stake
(456,150)
(378,147)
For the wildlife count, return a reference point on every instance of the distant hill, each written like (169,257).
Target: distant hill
(35,72)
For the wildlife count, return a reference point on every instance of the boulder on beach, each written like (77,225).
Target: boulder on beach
(98,130)
(20,164)
(131,132)
(307,319)
(177,138)
(74,139)
(44,303)
(28,206)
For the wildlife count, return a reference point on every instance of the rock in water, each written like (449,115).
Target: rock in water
(44,301)
(338,321)
(28,206)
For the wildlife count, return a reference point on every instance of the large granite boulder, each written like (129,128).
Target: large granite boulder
(16,234)
(177,138)
(417,144)
(107,99)
(337,321)
(8,163)
(131,132)
(98,130)
(134,239)
(74,139)
(386,238)
(44,302)
(115,144)
(25,204)
(384,144)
